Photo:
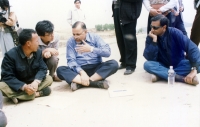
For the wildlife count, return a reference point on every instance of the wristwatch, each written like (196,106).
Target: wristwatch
(193,68)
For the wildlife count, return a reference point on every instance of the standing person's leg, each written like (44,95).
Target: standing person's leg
(148,24)
(129,34)
(119,37)
(180,24)
(7,42)
(195,31)
(3,119)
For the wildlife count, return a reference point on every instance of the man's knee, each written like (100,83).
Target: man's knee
(53,61)
(114,65)
(49,79)
(60,69)
(148,65)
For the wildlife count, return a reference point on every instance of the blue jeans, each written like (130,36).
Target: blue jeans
(158,69)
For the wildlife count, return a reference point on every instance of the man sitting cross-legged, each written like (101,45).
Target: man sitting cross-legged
(24,72)
(84,58)
(165,46)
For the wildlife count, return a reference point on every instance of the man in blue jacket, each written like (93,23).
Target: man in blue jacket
(24,72)
(165,46)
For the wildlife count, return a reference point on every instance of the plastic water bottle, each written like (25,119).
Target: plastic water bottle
(171,75)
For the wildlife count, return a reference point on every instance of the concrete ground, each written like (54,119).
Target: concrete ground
(150,105)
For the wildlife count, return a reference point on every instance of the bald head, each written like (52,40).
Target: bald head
(79,24)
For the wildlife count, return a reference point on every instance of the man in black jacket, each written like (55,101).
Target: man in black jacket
(24,72)
(126,13)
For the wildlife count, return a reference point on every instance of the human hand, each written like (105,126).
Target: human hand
(47,54)
(190,76)
(154,12)
(84,79)
(181,9)
(54,52)
(153,36)
(34,85)
(29,90)
(83,48)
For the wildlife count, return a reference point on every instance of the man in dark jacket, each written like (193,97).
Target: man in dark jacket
(23,73)
(165,46)
(126,13)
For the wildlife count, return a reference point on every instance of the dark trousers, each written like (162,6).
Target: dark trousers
(195,32)
(119,35)
(177,22)
(104,69)
(149,22)
(126,40)
(3,119)
(52,64)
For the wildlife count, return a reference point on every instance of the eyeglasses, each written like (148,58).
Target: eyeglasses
(155,27)
(78,34)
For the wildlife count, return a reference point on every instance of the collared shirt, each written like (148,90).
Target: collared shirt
(75,15)
(16,71)
(170,47)
(76,60)
(168,4)
(52,44)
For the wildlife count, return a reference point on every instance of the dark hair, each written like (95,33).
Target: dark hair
(77,0)
(163,20)
(4,3)
(43,27)
(26,35)
(83,26)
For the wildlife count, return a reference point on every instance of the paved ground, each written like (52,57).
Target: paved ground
(151,105)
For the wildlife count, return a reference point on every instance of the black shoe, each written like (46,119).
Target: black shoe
(122,66)
(103,84)
(75,86)
(45,92)
(129,71)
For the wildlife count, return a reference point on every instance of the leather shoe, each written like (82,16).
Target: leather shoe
(56,79)
(122,66)
(128,72)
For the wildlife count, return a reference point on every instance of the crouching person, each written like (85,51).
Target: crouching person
(84,58)
(23,75)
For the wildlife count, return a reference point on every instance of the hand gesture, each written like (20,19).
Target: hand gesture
(83,48)
(152,35)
